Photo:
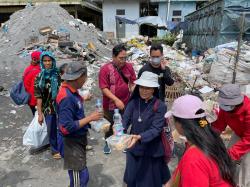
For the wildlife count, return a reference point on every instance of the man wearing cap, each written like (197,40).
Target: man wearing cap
(116,81)
(29,77)
(157,65)
(235,112)
(73,123)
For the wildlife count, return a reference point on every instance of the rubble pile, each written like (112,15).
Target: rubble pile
(200,74)
(222,62)
(49,26)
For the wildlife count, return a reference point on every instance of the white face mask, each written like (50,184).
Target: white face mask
(155,61)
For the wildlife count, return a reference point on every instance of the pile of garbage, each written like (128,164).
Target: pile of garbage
(50,27)
(220,63)
(200,74)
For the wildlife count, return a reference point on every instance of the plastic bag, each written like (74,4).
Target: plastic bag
(119,142)
(36,135)
(101,125)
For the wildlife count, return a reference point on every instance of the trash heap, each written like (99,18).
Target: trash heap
(50,27)
(200,75)
(221,63)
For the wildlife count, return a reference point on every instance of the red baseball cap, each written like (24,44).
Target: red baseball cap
(36,55)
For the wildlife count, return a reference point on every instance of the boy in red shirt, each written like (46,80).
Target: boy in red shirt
(205,162)
(29,76)
(116,80)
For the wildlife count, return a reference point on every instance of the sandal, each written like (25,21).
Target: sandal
(57,156)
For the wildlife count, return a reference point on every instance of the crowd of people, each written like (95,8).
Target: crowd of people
(206,162)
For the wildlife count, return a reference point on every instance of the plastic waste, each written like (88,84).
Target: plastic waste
(101,125)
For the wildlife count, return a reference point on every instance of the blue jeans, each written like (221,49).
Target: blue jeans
(51,122)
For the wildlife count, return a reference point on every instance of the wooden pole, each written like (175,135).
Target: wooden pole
(242,24)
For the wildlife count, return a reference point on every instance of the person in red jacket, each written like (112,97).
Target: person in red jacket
(29,76)
(235,113)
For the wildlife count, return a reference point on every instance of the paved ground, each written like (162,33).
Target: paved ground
(20,169)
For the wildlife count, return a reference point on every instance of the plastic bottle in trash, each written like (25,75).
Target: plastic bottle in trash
(118,129)
(98,105)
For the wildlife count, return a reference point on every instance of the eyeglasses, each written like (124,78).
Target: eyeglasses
(123,58)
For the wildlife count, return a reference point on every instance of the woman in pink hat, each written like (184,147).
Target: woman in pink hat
(205,162)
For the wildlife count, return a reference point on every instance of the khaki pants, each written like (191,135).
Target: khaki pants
(242,170)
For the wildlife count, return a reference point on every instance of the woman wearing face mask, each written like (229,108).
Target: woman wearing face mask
(145,165)
(205,162)
(235,112)
(158,65)
(46,88)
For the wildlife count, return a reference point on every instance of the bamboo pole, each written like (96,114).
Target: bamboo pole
(242,24)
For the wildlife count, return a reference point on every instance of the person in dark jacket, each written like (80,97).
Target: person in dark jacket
(158,65)
(73,123)
(145,165)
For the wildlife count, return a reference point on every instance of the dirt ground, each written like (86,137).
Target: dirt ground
(20,169)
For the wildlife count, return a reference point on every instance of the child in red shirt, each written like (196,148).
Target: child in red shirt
(206,162)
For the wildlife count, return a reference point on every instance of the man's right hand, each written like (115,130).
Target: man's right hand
(95,116)
(40,119)
(119,104)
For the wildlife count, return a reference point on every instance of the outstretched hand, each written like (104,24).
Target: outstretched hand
(134,139)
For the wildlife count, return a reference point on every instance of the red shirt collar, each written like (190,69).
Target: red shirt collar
(65,85)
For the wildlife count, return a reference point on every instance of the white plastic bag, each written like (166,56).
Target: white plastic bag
(101,125)
(36,135)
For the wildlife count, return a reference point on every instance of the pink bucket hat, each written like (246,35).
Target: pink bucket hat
(186,107)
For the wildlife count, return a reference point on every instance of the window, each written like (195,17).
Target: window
(176,16)
(176,19)
(176,12)
(120,12)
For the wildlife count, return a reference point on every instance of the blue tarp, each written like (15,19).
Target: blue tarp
(154,21)
(125,20)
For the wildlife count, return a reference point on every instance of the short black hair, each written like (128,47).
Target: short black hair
(156,47)
(117,49)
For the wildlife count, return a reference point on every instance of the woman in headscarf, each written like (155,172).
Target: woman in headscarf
(46,88)
(145,165)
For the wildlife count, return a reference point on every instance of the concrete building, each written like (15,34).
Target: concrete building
(168,10)
(82,9)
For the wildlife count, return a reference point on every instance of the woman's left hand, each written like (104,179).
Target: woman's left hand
(134,140)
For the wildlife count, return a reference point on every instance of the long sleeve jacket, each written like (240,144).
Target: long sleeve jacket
(150,128)
(239,122)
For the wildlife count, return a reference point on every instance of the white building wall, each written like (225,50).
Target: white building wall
(132,9)
(185,6)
